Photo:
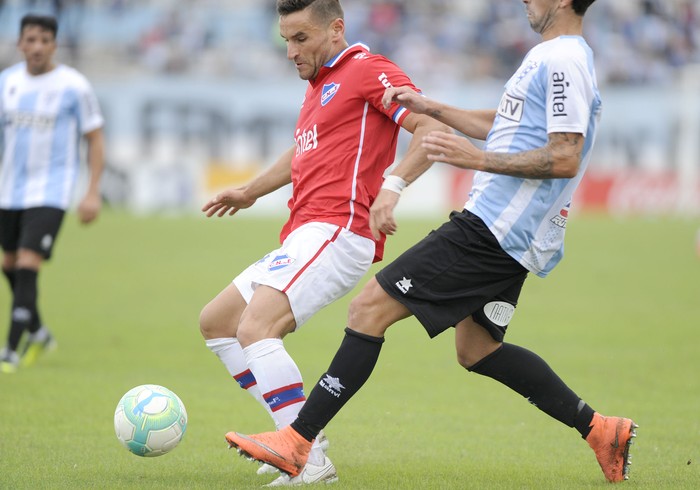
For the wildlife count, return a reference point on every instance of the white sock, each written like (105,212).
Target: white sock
(230,353)
(40,335)
(278,377)
(280,381)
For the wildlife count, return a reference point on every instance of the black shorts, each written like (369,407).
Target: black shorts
(35,229)
(457,271)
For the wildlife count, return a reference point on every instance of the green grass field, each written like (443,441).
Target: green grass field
(619,320)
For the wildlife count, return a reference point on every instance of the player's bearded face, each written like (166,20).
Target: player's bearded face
(309,45)
(541,13)
(38,46)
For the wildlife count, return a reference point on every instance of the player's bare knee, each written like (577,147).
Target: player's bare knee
(371,311)
(363,309)
(206,325)
(470,357)
(9,261)
(212,325)
(474,341)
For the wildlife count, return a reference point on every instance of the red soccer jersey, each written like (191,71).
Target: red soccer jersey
(345,140)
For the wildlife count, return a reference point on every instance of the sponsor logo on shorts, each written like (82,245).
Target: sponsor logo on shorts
(499,312)
(404,285)
(329,91)
(46,242)
(331,385)
(280,262)
(21,314)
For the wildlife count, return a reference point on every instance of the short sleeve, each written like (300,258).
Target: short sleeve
(570,95)
(88,108)
(380,74)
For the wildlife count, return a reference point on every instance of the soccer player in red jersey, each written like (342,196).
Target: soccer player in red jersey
(344,141)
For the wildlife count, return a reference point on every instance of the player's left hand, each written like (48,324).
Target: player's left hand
(452,149)
(89,208)
(381,214)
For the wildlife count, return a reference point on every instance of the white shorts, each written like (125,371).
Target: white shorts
(317,264)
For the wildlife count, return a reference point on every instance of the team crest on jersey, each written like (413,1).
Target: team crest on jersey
(561,218)
(329,91)
(280,262)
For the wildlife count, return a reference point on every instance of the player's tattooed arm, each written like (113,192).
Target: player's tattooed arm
(560,158)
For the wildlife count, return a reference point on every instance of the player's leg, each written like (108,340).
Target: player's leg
(351,366)
(9,238)
(529,375)
(39,230)
(316,265)
(370,314)
(218,323)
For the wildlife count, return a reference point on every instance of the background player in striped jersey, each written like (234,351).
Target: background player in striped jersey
(468,274)
(45,109)
(345,139)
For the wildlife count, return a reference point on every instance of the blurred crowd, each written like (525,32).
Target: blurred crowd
(436,41)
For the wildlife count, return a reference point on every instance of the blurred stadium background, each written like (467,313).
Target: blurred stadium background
(198,95)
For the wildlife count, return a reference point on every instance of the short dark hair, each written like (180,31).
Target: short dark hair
(580,6)
(323,10)
(46,22)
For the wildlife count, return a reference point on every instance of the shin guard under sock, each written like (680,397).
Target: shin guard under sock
(10,275)
(351,367)
(24,306)
(528,374)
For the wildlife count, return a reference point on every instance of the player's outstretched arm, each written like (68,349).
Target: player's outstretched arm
(233,199)
(558,159)
(474,123)
(413,164)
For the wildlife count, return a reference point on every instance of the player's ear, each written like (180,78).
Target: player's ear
(338,28)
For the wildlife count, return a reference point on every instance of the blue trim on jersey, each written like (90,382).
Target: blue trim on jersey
(397,115)
(333,60)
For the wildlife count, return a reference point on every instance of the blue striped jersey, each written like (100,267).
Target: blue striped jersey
(43,118)
(553,91)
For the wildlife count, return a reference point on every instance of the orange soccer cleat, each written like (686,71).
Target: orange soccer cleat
(284,449)
(610,438)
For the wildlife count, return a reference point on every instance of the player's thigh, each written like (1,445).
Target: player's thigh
(221,316)
(267,316)
(473,342)
(317,264)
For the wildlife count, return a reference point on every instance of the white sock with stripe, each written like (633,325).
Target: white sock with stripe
(279,379)
(230,353)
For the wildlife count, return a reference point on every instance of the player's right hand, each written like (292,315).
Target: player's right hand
(381,214)
(227,202)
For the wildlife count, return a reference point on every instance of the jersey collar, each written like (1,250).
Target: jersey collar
(338,59)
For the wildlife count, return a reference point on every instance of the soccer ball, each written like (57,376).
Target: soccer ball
(150,420)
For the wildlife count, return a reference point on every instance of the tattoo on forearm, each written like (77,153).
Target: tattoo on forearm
(540,163)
